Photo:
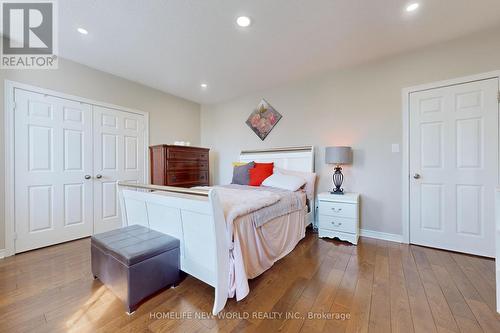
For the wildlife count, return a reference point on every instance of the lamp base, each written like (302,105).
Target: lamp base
(338,179)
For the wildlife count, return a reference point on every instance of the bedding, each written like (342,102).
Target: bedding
(286,182)
(260,172)
(241,175)
(264,224)
(240,163)
(310,178)
(261,203)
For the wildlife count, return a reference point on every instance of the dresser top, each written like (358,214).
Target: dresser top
(346,197)
(181,147)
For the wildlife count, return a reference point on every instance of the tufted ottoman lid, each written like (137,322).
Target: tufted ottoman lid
(133,244)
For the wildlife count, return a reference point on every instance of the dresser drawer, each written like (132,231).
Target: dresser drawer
(186,177)
(339,209)
(187,165)
(338,224)
(180,154)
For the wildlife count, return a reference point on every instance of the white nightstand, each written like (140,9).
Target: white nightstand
(338,216)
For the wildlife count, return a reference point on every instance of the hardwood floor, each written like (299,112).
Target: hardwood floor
(322,286)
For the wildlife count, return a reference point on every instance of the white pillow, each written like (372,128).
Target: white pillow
(286,182)
(310,178)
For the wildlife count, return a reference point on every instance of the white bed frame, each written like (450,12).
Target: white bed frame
(196,218)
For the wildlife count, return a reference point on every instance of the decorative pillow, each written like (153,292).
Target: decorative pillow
(310,178)
(286,182)
(260,172)
(241,175)
(239,163)
(265,165)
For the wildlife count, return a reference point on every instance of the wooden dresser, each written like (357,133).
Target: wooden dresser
(181,166)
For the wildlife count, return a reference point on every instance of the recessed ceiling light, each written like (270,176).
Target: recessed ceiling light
(204,85)
(243,21)
(82,31)
(412,7)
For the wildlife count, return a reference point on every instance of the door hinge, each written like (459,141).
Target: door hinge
(15,105)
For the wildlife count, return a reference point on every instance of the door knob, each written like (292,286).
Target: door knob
(416,176)
(98,176)
(88,176)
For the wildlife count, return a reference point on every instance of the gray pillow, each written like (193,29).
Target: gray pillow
(241,174)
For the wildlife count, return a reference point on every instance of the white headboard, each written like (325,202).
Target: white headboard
(290,158)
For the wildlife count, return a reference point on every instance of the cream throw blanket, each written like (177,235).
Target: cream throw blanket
(238,202)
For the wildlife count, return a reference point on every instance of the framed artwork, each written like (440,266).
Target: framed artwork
(263,119)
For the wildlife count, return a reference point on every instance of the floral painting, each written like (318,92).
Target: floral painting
(263,119)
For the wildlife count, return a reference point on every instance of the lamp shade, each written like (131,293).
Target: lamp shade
(338,155)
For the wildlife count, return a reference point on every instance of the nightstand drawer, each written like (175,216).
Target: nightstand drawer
(339,209)
(338,224)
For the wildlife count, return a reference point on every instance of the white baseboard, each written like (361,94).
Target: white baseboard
(381,235)
(2,253)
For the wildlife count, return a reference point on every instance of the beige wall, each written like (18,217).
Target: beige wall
(360,107)
(171,118)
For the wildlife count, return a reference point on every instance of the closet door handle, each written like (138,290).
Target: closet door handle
(88,176)
(98,176)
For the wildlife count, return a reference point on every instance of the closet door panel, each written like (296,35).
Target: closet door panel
(53,154)
(119,155)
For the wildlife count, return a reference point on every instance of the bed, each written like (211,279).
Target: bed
(228,234)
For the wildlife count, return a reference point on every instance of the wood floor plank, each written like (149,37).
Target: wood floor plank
(488,319)
(486,267)
(324,300)
(401,320)
(361,303)
(378,286)
(477,278)
(380,309)
(443,317)
(464,317)
(342,302)
(422,318)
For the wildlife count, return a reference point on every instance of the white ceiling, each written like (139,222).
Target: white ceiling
(174,45)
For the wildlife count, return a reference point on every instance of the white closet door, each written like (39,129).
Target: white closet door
(454,167)
(118,156)
(53,154)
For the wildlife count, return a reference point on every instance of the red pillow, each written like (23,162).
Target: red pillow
(266,165)
(260,172)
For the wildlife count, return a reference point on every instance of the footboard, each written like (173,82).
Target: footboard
(196,218)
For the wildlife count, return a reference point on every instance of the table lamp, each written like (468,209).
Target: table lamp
(338,156)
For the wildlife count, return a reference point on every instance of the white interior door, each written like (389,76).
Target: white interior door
(454,167)
(53,154)
(119,154)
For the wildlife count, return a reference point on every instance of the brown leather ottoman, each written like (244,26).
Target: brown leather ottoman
(135,262)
